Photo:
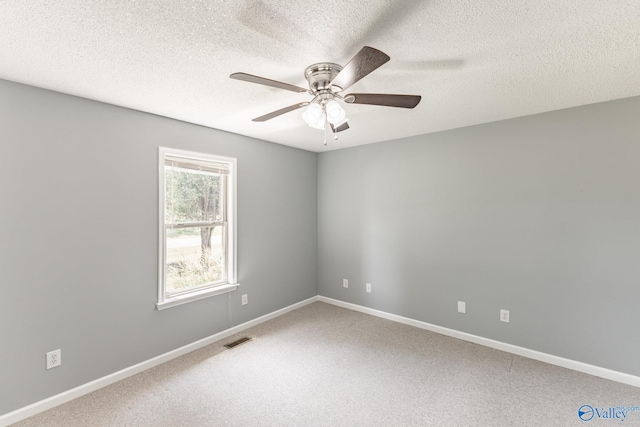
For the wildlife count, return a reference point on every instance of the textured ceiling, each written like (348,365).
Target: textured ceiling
(473,61)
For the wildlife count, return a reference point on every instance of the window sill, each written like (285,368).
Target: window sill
(195,296)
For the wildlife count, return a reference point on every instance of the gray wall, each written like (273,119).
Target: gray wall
(539,215)
(78,250)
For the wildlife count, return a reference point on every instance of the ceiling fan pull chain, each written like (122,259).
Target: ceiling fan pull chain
(325,134)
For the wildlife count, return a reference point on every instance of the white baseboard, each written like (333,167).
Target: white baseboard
(509,348)
(74,393)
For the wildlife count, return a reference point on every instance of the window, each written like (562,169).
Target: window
(197,226)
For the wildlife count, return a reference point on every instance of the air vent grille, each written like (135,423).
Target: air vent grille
(238,342)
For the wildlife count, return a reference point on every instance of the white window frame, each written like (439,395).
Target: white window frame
(230,284)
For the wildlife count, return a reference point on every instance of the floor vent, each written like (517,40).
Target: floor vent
(238,342)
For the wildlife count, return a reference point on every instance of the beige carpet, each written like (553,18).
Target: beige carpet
(323,365)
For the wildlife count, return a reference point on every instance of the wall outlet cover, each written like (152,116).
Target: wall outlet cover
(54,358)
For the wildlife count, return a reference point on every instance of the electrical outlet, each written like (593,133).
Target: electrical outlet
(504,316)
(462,307)
(345,283)
(368,287)
(245,299)
(54,358)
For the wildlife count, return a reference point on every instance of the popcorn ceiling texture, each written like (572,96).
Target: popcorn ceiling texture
(472,61)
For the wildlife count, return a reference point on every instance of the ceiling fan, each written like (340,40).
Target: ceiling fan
(326,81)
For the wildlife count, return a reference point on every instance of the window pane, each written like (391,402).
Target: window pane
(194,258)
(192,196)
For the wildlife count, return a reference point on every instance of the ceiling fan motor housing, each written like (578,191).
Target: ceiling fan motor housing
(321,75)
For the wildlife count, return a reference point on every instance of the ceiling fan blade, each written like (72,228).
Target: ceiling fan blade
(365,61)
(343,126)
(267,82)
(387,100)
(279,112)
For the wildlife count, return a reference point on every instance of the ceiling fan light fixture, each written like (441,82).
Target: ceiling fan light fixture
(335,113)
(313,114)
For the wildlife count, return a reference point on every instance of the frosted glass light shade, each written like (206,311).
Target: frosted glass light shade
(335,113)
(319,124)
(312,114)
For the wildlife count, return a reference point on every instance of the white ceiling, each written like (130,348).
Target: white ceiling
(472,61)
